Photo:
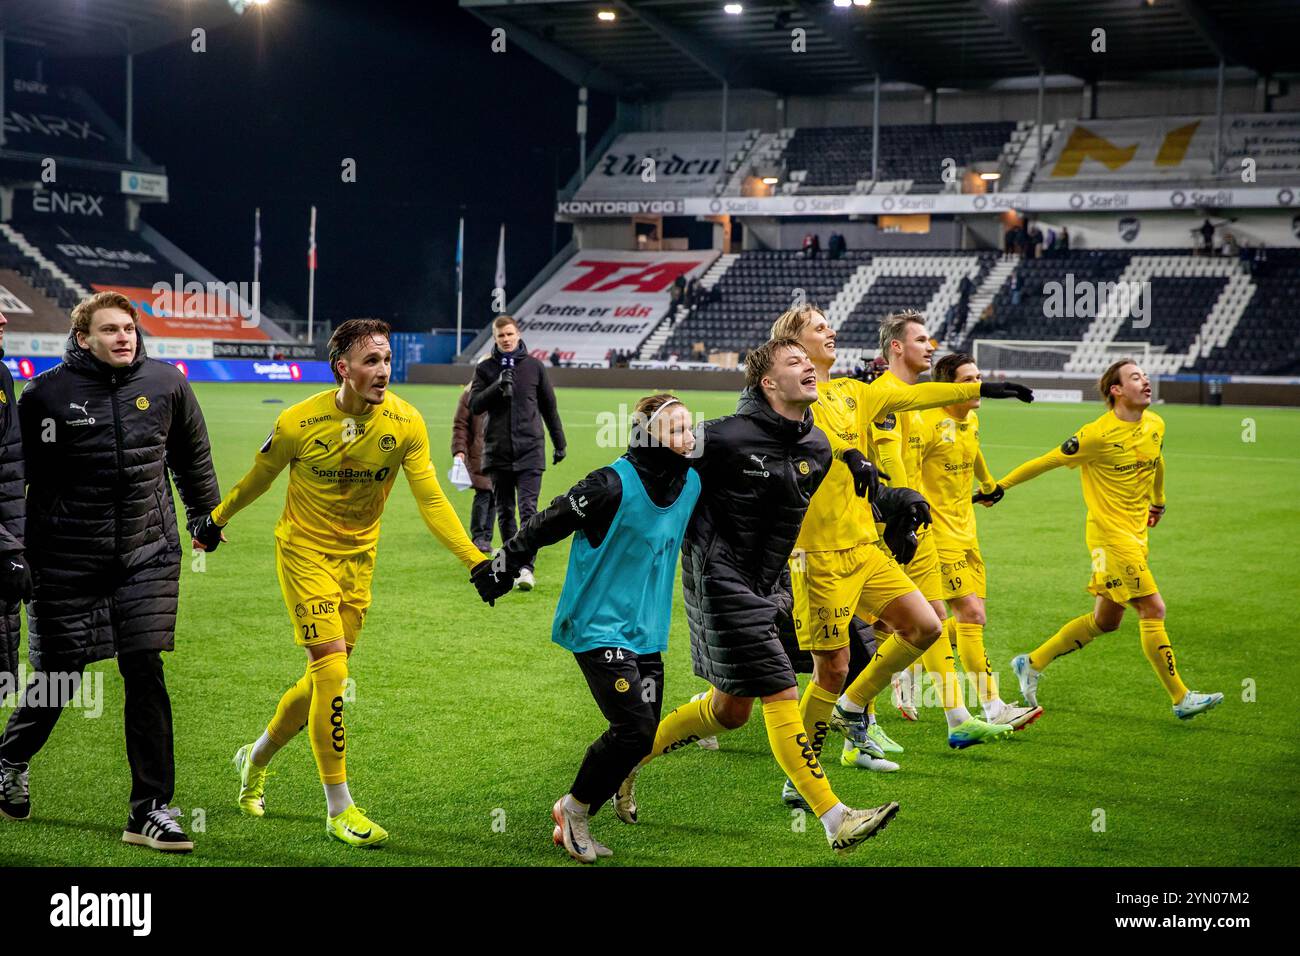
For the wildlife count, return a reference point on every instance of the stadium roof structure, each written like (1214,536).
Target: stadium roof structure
(654,47)
(108,27)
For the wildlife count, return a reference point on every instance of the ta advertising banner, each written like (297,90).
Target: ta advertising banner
(603,299)
(659,165)
(23,367)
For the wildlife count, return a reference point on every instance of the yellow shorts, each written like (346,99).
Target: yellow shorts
(1119,570)
(830,587)
(923,569)
(961,572)
(327,596)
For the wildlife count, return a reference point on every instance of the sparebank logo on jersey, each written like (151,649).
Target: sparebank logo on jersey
(86,419)
(351,476)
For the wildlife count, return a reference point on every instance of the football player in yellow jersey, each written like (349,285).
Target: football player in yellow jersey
(343,448)
(836,569)
(950,457)
(1122,467)
(896,442)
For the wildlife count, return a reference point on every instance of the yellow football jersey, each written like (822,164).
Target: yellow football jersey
(1122,469)
(950,459)
(896,439)
(341,470)
(845,408)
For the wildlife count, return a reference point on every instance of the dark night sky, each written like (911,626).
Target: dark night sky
(433,118)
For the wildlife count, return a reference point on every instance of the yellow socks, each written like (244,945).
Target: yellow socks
(975,660)
(892,654)
(1074,636)
(793,751)
(1156,646)
(291,713)
(325,716)
(943,671)
(950,632)
(692,721)
(815,708)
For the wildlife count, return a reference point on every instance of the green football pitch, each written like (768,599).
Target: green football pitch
(468,723)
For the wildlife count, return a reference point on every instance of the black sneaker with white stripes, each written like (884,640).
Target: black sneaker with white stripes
(14,800)
(154,825)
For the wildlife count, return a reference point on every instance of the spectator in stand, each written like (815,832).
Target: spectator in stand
(678,292)
(467,445)
(1049,243)
(1207,237)
(555,358)
(1229,247)
(836,246)
(1011,241)
(1245,256)
(609,357)
(512,387)
(1035,242)
(811,246)
(964,289)
(1063,246)
(1015,288)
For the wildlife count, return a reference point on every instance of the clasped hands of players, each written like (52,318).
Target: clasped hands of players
(492,578)
(207,534)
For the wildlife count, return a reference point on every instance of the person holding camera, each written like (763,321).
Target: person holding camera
(512,388)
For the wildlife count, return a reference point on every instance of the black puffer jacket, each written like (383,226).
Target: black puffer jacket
(104,546)
(513,439)
(758,472)
(13,515)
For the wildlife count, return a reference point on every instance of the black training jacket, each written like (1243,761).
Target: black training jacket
(99,443)
(13,513)
(513,439)
(758,471)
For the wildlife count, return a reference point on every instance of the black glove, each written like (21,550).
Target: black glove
(993,497)
(15,578)
(491,580)
(866,477)
(1006,390)
(206,532)
(901,528)
(559,455)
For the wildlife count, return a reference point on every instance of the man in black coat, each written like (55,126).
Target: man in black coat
(512,388)
(759,468)
(101,431)
(15,578)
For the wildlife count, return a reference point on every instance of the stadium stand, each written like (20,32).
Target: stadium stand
(838,159)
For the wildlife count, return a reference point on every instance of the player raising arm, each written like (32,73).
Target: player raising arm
(343,448)
(627,520)
(1122,467)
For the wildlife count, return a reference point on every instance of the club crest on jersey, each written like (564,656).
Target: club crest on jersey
(142,403)
(850,403)
(621,685)
(387,443)
(1070,446)
(887,423)
(803,468)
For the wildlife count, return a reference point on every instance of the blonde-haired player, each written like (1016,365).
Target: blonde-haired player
(1122,467)
(836,569)
(343,448)
(950,458)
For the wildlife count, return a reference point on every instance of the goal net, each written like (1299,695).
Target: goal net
(1078,359)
